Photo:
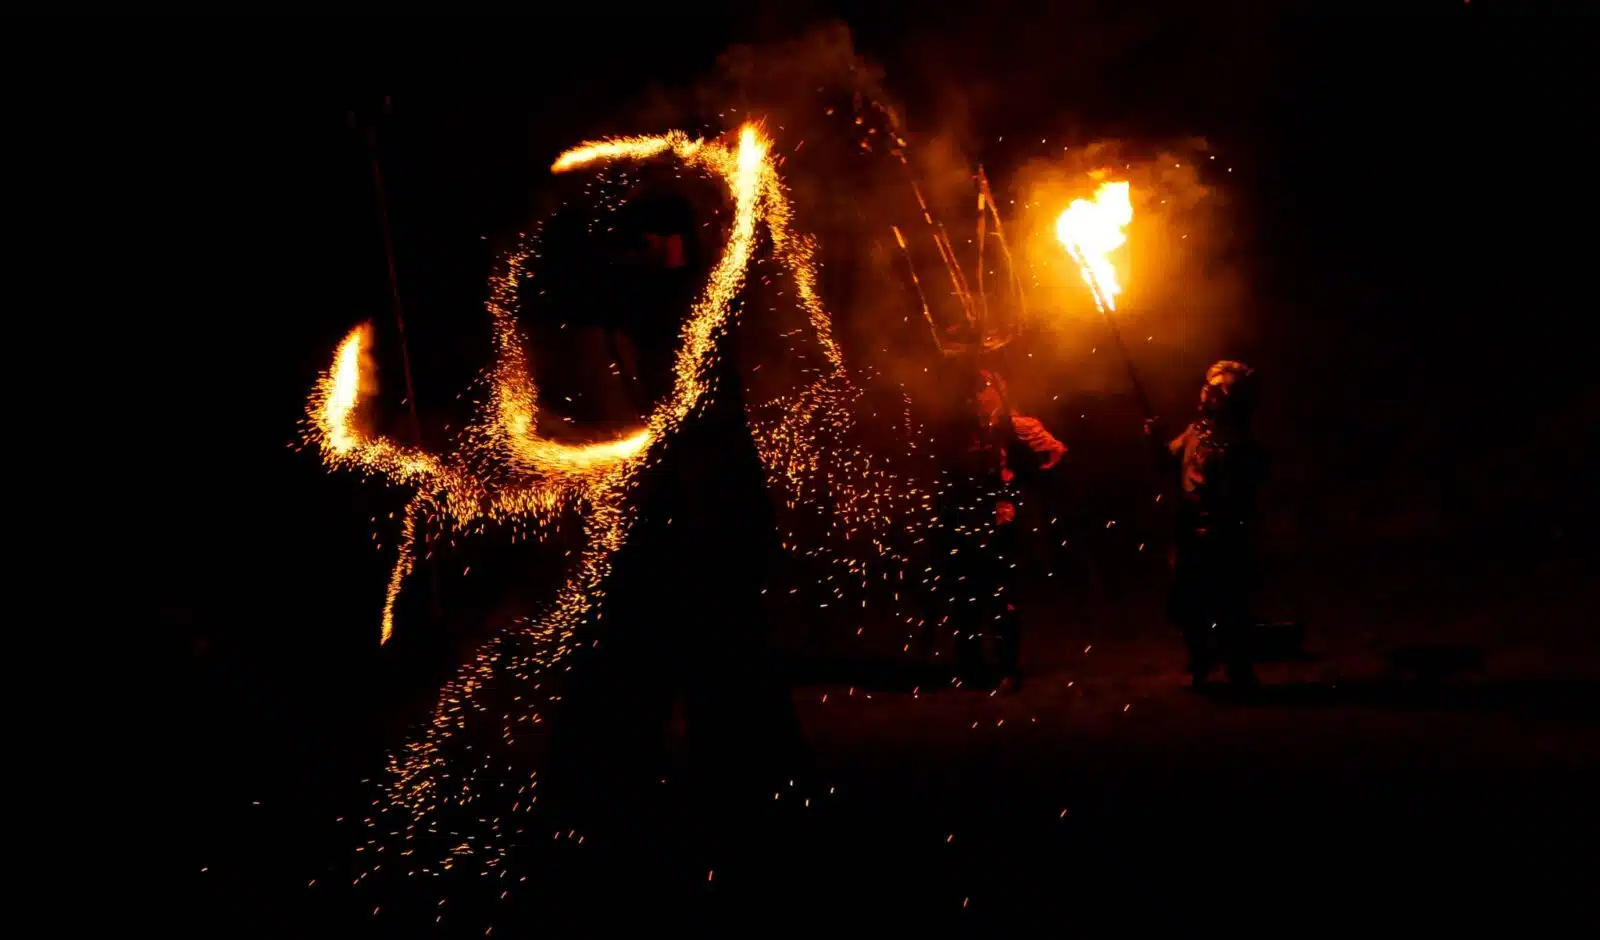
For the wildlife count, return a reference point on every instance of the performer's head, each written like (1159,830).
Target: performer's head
(1230,392)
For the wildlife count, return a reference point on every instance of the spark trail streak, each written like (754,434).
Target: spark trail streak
(504,472)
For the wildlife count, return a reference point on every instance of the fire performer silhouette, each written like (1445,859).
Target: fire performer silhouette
(681,641)
(1218,467)
(984,550)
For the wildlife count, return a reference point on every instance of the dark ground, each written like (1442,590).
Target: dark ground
(1102,790)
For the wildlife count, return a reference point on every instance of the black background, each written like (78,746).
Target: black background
(1417,199)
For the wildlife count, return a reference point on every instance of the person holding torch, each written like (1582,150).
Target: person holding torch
(1001,442)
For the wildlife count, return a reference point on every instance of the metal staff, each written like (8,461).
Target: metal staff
(1127,363)
(1000,233)
(394,280)
(371,135)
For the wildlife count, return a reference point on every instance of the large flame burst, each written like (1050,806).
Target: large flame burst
(541,480)
(1092,229)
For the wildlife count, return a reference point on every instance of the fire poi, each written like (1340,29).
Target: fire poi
(553,476)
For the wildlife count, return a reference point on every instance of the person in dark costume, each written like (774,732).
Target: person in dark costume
(1218,467)
(997,443)
(681,647)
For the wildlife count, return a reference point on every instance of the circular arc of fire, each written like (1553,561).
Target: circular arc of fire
(551,474)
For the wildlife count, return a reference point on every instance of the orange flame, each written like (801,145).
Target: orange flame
(1091,230)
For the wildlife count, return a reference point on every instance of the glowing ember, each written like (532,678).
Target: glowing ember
(1091,230)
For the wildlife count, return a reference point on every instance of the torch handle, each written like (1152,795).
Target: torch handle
(1127,363)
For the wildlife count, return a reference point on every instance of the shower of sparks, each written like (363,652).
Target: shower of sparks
(1090,231)
(503,472)
(549,476)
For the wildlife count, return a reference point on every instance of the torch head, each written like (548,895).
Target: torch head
(1230,392)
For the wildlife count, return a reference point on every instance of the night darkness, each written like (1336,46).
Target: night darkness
(1404,236)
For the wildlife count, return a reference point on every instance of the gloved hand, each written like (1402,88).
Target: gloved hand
(1031,431)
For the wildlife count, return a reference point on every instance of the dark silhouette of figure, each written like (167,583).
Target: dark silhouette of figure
(681,641)
(1218,467)
(995,444)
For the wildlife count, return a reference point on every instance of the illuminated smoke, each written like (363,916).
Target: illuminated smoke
(503,472)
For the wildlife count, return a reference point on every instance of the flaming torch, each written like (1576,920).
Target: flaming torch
(1090,230)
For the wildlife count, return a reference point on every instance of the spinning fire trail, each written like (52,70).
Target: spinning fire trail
(548,476)
(503,472)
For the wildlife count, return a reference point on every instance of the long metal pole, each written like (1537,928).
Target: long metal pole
(400,324)
(394,285)
(1000,233)
(1127,362)
(938,341)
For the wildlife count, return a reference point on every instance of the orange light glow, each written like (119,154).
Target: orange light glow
(1092,229)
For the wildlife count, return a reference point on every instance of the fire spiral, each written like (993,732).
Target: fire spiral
(549,476)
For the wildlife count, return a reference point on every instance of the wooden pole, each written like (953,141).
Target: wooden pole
(1127,362)
(400,323)
(394,283)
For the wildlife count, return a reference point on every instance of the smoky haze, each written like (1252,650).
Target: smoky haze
(856,159)
(862,163)
(1256,235)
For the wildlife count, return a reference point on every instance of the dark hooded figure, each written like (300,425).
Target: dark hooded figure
(1218,467)
(681,649)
